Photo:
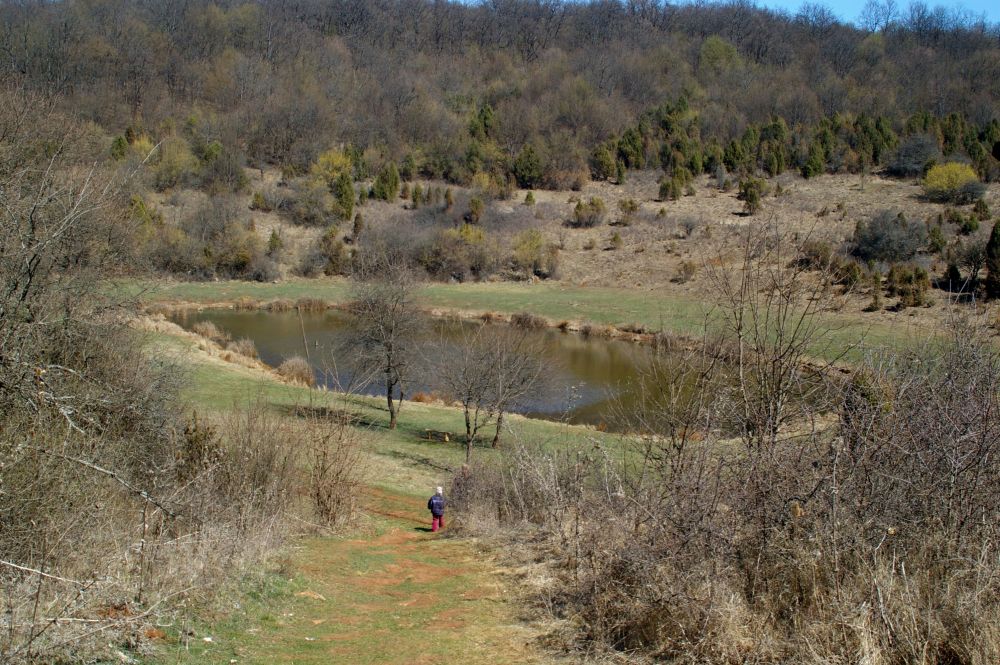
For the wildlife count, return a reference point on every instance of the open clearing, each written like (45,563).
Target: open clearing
(385,590)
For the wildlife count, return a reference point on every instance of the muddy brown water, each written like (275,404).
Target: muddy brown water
(587,380)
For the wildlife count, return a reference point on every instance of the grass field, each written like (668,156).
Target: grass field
(386,591)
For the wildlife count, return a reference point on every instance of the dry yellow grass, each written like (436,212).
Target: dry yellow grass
(664,239)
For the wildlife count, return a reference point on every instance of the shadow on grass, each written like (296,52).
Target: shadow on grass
(423,529)
(325,413)
(420,460)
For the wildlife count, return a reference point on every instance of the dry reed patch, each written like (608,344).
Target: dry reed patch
(297,370)
(311,305)
(210,331)
(598,330)
(528,321)
(246,304)
(163,309)
(279,305)
(633,328)
(244,347)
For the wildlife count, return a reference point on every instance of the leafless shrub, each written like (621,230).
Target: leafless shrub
(769,512)
(688,225)
(257,474)
(335,472)
(686,270)
(666,341)
(528,484)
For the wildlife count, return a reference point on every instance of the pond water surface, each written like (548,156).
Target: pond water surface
(587,380)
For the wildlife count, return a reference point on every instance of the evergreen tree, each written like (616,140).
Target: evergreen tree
(992,282)
(343,192)
(528,168)
(602,163)
(386,185)
(274,243)
(476,209)
(751,193)
(816,163)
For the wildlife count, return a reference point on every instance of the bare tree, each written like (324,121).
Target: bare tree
(466,373)
(517,371)
(780,348)
(388,324)
(489,372)
(770,318)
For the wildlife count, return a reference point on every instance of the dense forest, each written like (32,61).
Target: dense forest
(544,92)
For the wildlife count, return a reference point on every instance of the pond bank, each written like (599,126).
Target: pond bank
(680,316)
(588,379)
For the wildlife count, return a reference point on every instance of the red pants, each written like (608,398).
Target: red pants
(437,523)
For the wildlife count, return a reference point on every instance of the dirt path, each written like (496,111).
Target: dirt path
(399,595)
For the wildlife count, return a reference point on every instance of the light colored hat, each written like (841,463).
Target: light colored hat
(440,490)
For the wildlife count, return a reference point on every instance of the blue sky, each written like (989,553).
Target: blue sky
(850,9)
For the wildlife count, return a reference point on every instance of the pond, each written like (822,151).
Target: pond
(588,380)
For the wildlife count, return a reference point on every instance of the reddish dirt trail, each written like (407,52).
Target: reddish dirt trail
(401,595)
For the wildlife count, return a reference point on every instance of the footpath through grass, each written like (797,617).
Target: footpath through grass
(392,595)
(387,591)
(653,310)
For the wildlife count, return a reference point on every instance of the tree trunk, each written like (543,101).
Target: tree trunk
(392,406)
(496,437)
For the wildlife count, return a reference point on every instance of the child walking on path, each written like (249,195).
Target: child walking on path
(436,505)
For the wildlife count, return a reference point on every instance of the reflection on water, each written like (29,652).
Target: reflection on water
(589,380)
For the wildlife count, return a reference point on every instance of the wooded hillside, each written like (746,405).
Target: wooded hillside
(546,91)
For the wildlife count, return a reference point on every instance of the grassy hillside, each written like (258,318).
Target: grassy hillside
(383,590)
